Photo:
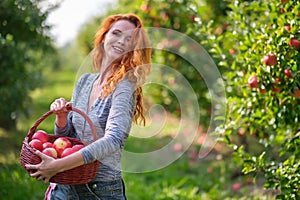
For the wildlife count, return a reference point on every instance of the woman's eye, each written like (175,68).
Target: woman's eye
(117,33)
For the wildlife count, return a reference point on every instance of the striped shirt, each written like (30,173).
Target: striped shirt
(112,118)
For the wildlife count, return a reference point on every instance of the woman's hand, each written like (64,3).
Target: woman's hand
(45,169)
(58,107)
(49,166)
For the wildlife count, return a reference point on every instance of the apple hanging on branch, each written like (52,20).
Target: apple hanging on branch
(253,81)
(270,59)
(296,93)
(294,43)
(288,73)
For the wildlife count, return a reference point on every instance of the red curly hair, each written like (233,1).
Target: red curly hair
(134,64)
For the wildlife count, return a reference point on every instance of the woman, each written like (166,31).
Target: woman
(112,98)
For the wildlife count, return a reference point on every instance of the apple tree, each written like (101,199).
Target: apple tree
(260,57)
(23,44)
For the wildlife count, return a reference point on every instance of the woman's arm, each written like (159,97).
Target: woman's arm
(118,124)
(63,125)
(59,109)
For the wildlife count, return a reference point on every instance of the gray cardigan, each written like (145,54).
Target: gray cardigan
(112,118)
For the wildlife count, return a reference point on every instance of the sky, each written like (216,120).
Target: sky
(71,15)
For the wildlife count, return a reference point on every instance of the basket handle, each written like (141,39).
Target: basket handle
(69,107)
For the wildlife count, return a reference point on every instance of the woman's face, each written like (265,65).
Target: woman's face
(118,39)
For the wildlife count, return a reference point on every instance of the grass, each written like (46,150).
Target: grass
(15,182)
(187,178)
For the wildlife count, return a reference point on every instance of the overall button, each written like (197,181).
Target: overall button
(94,186)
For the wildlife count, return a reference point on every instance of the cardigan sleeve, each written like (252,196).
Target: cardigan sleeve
(118,124)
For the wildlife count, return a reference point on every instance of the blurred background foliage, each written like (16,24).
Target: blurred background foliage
(262,124)
(25,49)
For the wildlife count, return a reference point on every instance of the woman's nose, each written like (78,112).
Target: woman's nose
(121,41)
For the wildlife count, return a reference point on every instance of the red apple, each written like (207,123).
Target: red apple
(67,151)
(37,144)
(50,152)
(41,135)
(236,186)
(288,73)
(232,51)
(60,144)
(177,147)
(277,81)
(253,81)
(287,28)
(210,170)
(249,180)
(157,25)
(47,145)
(193,155)
(242,131)
(145,7)
(270,59)
(296,93)
(77,147)
(294,43)
(276,89)
(192,17)
(262,91)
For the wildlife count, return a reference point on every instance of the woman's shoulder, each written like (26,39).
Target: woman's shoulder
(126,83)
(86,77)
(124,86)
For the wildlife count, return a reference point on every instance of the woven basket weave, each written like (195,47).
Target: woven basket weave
(79,175)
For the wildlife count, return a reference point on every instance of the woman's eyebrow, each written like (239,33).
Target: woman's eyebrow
(118,30)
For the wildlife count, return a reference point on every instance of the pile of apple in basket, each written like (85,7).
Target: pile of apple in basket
(61,147)
(58,147)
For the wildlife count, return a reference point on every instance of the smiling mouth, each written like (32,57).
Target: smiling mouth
(118,49)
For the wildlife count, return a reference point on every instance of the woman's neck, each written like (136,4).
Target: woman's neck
(104,65)
(103,73)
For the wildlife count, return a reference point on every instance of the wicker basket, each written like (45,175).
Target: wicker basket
(79,175)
